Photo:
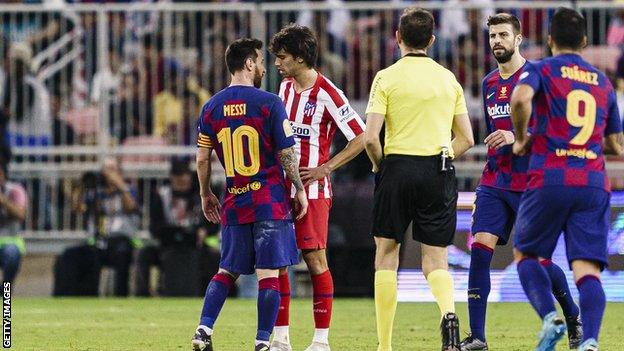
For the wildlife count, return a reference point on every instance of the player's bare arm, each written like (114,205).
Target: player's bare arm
(13,210)
(521,108)
(374,122)
(352,149)
(210,203)
(614,144)
(462,130)
(290,163)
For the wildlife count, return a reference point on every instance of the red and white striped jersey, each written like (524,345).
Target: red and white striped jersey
(314,115)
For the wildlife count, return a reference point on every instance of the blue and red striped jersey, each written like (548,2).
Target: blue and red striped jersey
(503,170)
(574,106)
(247,127)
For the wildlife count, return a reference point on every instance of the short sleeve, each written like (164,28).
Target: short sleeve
(614,123)
(281,131)
(378,99)
(203,129)
(530,76)
(345,117)
(460,100)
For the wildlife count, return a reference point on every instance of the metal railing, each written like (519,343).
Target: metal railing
(87,81)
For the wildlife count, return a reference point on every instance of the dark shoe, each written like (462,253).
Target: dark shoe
(449,328)
(575,332)
(473,344)
(202,341)
(262,347)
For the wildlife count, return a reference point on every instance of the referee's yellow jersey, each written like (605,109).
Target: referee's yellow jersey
(419,99)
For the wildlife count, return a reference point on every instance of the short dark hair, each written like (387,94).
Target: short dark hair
(239,51)
(568,28)
(505,18)
(298,41)
(416,27)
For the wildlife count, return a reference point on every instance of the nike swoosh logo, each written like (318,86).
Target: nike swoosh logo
(490,95)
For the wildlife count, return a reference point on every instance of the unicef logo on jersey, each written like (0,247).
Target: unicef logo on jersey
(309,109)
(499,111)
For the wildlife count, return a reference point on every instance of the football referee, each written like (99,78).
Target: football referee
(426,126)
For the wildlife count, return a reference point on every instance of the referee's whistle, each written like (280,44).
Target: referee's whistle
(444,156)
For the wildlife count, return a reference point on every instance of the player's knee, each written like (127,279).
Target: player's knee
(486,239)
(582,268)
(316,261)
(234,276)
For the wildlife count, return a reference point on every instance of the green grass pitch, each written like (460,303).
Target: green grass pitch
(168,324)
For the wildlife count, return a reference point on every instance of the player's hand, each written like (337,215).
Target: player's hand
(499,138)
(520,148)
(300,204)
(211,208)
(308,175)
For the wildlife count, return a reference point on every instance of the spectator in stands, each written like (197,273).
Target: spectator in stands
(130,113)
(169,112)
(177,223)
(13,202)
(106,82)
(62,132)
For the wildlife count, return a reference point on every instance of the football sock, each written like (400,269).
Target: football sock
(441,285)
(385,306)
(323,287)
(281,324)
(560,288)
(592,301)
(216,293)
(479,288)
(536,285)
(268,305)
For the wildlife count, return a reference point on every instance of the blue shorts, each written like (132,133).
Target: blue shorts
(582,213)
(267,244)
(495,211)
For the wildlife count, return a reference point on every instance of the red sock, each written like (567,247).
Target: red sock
(323,286)
(283,314)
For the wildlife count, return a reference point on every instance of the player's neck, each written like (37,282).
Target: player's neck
(305,80)
(240,78)
(512,66)
(406,51)
(557,52)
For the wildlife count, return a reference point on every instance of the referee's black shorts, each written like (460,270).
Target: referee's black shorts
(412,189)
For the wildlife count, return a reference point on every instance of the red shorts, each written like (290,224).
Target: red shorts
(311,230)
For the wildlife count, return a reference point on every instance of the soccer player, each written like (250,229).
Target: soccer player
(577,122)
(316,109)
(503,181)
(415,180)
(249,130)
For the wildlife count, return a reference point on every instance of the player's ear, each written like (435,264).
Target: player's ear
(431,41)
(550,42)
(519,38)
(249,64)
(397,35)
(584,42)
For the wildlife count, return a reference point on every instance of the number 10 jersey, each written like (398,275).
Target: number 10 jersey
(247,127)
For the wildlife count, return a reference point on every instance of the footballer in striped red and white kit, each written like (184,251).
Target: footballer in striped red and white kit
(316,110)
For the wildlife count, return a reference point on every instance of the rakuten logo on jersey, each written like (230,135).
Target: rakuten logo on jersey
(301,130)
(499,111)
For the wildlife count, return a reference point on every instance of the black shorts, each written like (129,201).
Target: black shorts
(413,189)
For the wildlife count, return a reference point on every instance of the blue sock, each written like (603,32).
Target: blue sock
(536,285)
(592,300)
(560,289)
(216,293)
(479,288)
(268,306)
